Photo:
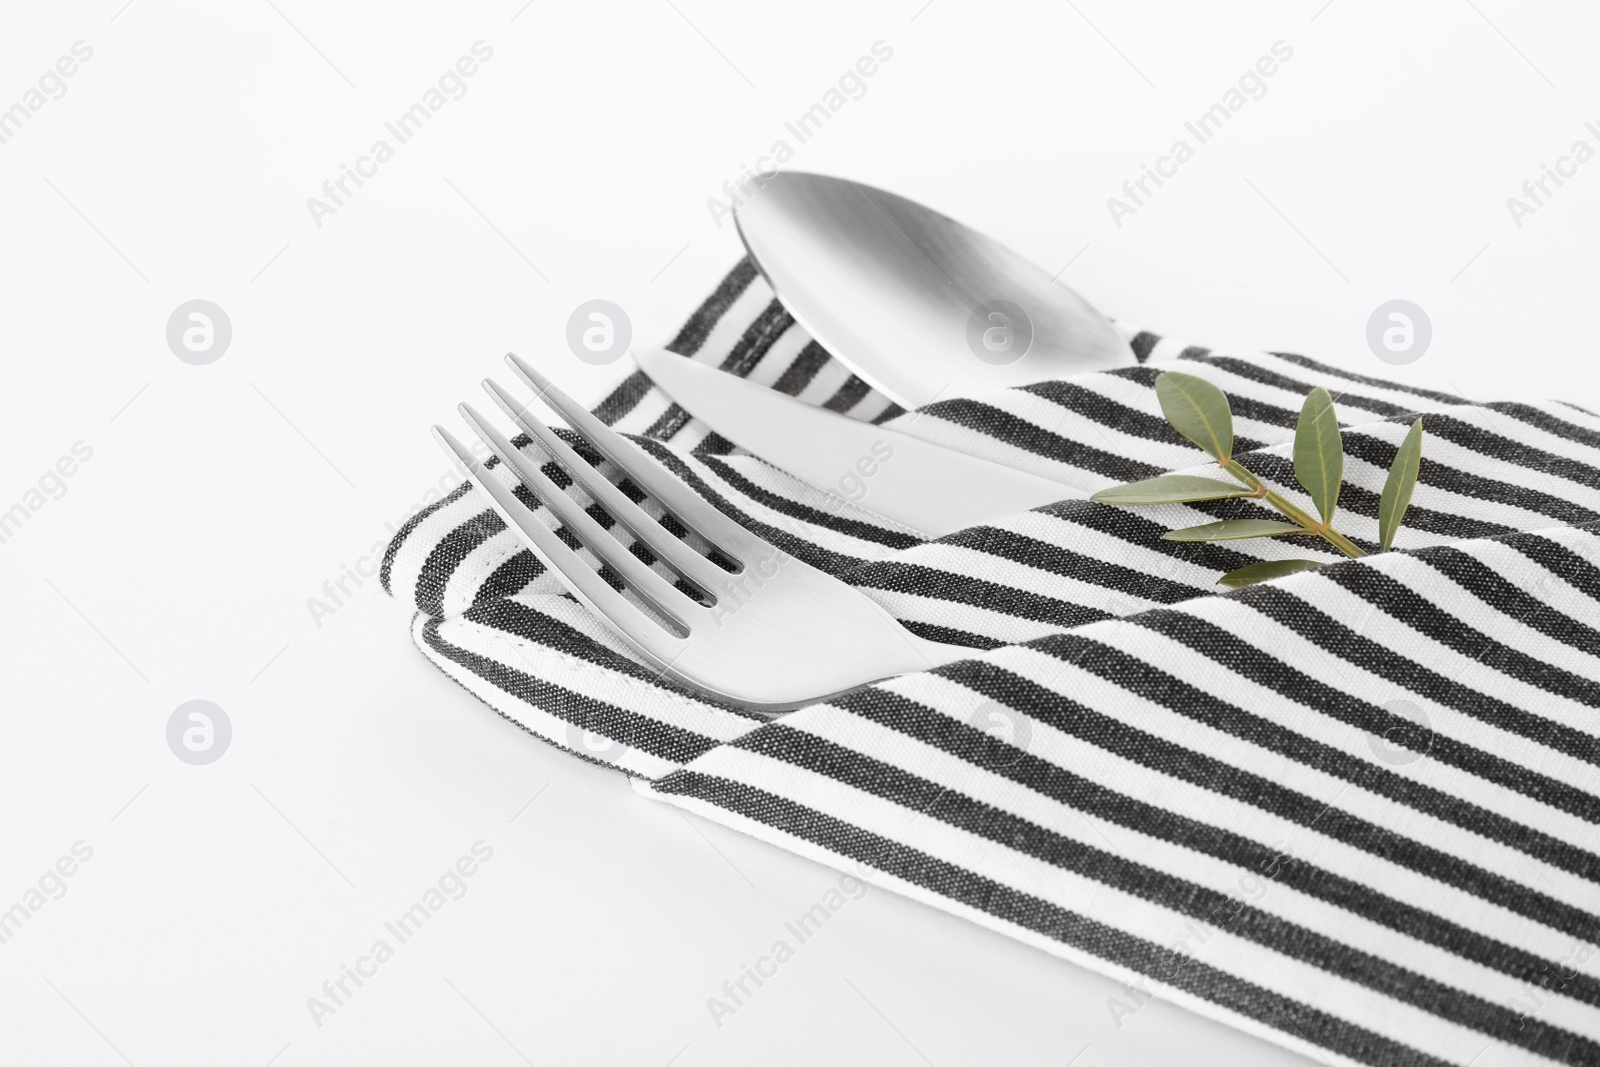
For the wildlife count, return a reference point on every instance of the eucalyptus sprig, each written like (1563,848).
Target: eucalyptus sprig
(1199,411)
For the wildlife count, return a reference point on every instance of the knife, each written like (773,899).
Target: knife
(932,489)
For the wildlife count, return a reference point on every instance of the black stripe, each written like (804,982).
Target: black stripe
(832,562)
(1557,558)
(848,395)
(705,318)
(447,554)
(636,386)
(510,577)
(669,422)
(1128,525)
(1250,661)
(1543,420)
(519,620)
(1169,758)
(714,444)
(751,347)
(798,374)
(948,635)
(899,577)
(1113,414)
(608,720)
(1476,578)
(1255,372)
(453,550)
(1487,442)
(624,398)
(1366,447)
(951,735)
(893,411)
(1436,474)
(1210,906)
(1143,343)
(1376,383)
(1118,522)
(429,636)
(620,724)
(1359,500)
(408,526)
(757,339)
(1042,917)
(1030,437)
(1409,674)
(606,521)
(1380,453)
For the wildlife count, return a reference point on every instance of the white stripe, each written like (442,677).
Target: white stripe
(1353,680)
(1089,689)
(1475,671)
(666,706)
(1159,786)
(848,865)
(547,726)
(779,356)
(1209,807)
(829,377)
(406,569)
(1131,914)
(745,309)
(1250,887)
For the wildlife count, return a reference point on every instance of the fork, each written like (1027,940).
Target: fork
(770,634)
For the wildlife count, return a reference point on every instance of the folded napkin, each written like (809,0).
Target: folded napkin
(1353,811)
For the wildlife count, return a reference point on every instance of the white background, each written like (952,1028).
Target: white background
(219,498)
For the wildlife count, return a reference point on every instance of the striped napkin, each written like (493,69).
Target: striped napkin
(1353,811)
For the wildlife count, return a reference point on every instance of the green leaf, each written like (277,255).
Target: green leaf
(1198,410)
(1266,571)
(1319,452)
(1234,530)
(1397,489)
(1171,489)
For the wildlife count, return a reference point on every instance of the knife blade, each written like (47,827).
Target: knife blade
(932,489)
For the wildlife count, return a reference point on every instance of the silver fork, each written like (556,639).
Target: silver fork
(773,634)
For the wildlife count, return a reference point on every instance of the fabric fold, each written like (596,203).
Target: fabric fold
(1355,811)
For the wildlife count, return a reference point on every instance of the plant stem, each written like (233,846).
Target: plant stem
(1292,511)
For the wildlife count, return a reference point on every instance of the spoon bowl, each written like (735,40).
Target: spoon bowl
(917,304)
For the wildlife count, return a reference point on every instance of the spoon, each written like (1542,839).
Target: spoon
(919,305)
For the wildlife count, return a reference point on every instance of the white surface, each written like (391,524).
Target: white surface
(179,562)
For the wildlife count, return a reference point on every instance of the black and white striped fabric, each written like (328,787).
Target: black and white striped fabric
(1355,811)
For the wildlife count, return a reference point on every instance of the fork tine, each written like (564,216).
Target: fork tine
(645,582)
(676,495)
(582,581)
(650,532)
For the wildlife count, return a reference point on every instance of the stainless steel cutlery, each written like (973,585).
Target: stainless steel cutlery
(769,634)
(932,489)
(914,302)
